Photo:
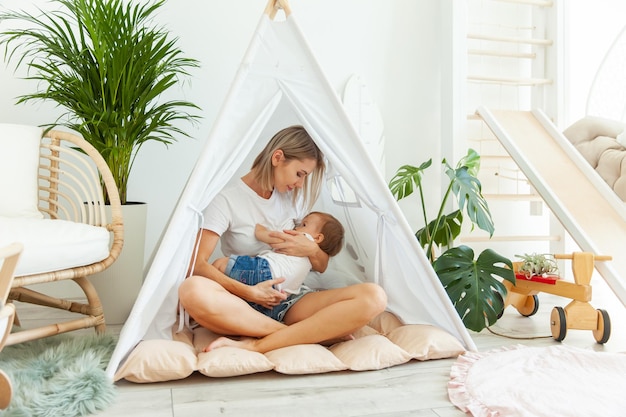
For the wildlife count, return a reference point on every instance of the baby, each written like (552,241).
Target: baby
(322,228)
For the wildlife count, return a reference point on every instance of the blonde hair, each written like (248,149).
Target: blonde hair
(333,232)
(296,143)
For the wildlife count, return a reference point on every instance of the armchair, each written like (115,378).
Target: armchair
(52,188)
(8,260)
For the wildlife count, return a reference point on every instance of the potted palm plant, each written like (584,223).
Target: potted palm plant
(107,65)
(472,285)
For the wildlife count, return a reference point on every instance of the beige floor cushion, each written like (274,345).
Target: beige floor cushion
(385,342)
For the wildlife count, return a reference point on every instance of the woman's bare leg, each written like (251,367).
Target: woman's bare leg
(320,316)
(222,312)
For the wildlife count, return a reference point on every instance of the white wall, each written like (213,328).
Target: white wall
(590,29)
(392,44)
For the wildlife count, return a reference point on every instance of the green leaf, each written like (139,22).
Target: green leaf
(407,177)
(448,230)
(471,161)
(467,190)
(473,286)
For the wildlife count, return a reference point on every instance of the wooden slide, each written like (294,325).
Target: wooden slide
(586,206)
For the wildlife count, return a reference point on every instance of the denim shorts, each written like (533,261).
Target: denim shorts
(278,313)
(252,270)
(247,269)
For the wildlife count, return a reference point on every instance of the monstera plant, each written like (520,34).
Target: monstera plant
(473,285)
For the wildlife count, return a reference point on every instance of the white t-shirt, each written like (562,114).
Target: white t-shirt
(235,211)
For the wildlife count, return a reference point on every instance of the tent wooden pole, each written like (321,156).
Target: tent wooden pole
(274,5)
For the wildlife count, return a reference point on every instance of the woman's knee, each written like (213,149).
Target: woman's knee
(193,290)
(374,298)
(186,289)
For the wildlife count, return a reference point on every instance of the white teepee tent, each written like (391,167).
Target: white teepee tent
(279,83)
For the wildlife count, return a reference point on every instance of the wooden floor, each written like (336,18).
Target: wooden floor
(412,389)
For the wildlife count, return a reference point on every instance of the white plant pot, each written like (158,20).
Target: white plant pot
(118,285)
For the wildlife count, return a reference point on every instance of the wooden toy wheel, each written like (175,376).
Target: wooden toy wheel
(6,390)
(530,307)
(558,323)
(603,331)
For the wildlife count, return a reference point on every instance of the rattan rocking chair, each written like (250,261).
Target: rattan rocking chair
(8,260)
(71,178)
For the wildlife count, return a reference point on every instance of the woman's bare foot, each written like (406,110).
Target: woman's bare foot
(331,342)
(247,343)
(250,343)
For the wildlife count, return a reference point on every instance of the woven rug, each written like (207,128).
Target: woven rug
(549,381)
(59,376)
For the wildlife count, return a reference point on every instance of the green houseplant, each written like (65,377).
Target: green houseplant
(107,65)
(113,73)
(472,285)
(537,264)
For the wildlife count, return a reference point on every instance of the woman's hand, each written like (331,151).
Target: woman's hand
(293,243)
(264,294)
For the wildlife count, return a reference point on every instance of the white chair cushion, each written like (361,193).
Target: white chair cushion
(51,245)
(19,162)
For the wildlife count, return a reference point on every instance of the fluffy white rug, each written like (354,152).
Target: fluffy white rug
(59,376)
(550,381)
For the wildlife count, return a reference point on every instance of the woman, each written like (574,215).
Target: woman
(282,185)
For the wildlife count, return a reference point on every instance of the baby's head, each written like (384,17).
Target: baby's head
(326,230)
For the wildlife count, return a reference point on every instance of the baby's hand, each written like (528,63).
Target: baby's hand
(259,229)
(263,234)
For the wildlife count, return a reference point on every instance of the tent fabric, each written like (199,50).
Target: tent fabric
(279,83)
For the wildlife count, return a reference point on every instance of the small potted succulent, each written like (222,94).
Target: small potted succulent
(537,267)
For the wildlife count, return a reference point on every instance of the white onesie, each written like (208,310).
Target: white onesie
(293,268)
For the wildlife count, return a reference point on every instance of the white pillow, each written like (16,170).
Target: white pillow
(19,161)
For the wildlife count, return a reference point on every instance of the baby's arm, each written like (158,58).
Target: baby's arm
(262,233)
